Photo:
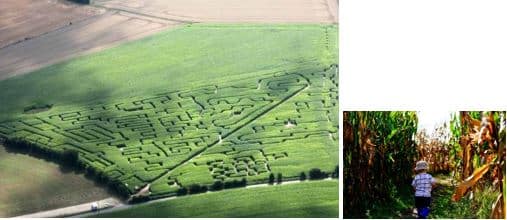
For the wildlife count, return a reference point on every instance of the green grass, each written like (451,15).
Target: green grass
(298,200)
(477,207)
(195,104)
(441,206)
(29,185)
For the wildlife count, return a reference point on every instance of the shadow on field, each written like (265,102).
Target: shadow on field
(34,185)
(31,95)
(62,167)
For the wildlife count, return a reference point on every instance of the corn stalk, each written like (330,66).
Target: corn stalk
(480,140)
(435,149)
(379,149)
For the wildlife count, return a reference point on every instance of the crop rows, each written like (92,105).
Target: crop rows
(284,123)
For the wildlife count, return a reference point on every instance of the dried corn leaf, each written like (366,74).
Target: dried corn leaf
(469,182)
(498,208)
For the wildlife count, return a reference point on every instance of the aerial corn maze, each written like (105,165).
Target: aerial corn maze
(250,119)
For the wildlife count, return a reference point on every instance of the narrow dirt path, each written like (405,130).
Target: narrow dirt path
(74,210)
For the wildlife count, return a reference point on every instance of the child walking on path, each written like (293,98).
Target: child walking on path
(423,183)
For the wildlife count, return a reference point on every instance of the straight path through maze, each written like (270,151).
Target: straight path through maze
(138,140)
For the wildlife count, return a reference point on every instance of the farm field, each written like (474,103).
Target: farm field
(93,34)
(259,11)
(308,199)
(56,30)
(36,185)
(20,19)
(203,103)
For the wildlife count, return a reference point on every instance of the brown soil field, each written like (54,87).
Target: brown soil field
(29,185)
(260,11)
(93,34)
(34,33)
(24,19)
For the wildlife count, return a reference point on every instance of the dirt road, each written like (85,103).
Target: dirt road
(75,210)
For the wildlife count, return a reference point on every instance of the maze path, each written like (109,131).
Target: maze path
(300,129)
(138,140)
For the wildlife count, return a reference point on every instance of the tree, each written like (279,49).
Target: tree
(316,173)
(243,182)
(228,184)
(271,178)
(279,178)
(194,188)
(90,171)
(336,172)
(70,157)
(182,191)
(302,176)
(217,185)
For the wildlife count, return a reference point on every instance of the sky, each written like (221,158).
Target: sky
(428,119)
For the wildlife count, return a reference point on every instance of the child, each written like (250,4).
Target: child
(423,183)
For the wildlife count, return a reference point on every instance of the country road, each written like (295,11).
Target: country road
(73,210)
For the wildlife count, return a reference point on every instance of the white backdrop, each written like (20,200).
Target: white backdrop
(434,55)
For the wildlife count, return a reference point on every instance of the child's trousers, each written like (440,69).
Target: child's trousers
(420,203)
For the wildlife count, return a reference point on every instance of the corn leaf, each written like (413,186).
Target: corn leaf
(469,182)
(498,208)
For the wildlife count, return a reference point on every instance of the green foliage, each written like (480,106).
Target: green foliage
(196,188)
(379,152)
(271,178)
(316,173)
(70,157)
(217,185)
(310,199)
(279,178)
(182,191)
(302,176)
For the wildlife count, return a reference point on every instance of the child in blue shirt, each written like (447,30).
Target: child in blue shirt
(423,183)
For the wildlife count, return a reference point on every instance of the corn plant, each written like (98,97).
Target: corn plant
(379,150)
(479,143)
(435,149)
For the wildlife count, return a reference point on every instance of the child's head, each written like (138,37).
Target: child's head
(421,166)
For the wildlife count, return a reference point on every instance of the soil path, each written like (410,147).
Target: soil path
(74,210)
